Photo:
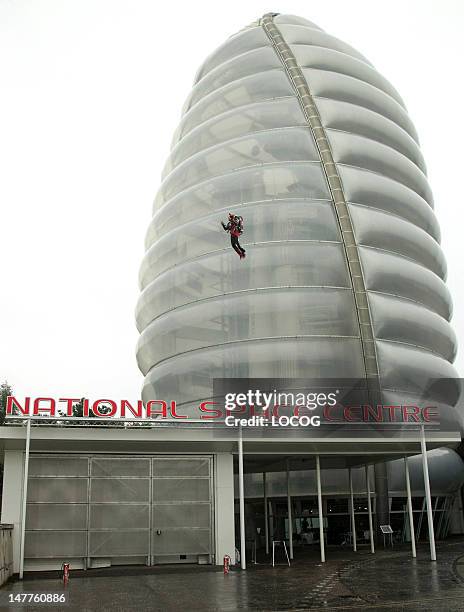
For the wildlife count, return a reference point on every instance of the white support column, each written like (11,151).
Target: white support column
(319,506)
(410,514)
(369,509)
(24,500)
(241,493)
(353,521)
(428,498)
(266,517)
(224,507)
(289,512)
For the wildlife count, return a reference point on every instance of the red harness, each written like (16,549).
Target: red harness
(235,229)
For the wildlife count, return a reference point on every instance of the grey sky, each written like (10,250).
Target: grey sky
(91,94)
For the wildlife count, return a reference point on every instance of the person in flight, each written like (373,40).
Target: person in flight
(235,228)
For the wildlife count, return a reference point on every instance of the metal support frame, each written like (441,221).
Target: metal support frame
(289,512)
(24,500)
(88,560)
(270,514)
(353,521)
(310,110)
(369,509)
(151,510)
(274,542)
(241,489)
(319,505)
(442,513)
(448,517)
(266,517)
(428,498)
(421,518)
(435,508)
(410,513)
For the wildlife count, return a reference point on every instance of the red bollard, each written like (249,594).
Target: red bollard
(226,564)
(65,568)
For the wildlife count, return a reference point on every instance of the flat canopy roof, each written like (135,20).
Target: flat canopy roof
(342,449)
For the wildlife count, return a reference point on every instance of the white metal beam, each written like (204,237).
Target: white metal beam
(353,521)
(410,514)
(428,497)
(241,493)
(319,505)
(24,504)
(369,509)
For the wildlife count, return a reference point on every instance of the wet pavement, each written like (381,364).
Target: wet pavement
(388,581)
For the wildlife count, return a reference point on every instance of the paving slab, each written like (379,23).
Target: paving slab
(388,581)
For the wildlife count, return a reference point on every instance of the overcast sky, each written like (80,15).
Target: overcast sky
(91,92)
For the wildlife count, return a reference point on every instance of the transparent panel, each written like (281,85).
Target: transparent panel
(271,313)
(254,150)
(276,221)
(56,516)
(55,544)
(396,275)
(190,466)
(406,321)
(410,369)
(355,119)
(376,191)
(257,60)
(58,466)
(119,516)
(118,544)
(181,489)
(58,490)
(328,59)
(361,152)
(276,182)
(120,490)
(182,515)
(303,35)
(285,112)
(294,19)
(336,86)
(246,40)
(385,231)
(120,467)
(189,377)
(254,88)
(182,542)
(274,265)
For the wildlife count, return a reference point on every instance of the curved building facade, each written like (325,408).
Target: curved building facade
(344,278)
(297,132)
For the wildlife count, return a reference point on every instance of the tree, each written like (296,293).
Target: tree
(78,408)
(5,391)
(78,411)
